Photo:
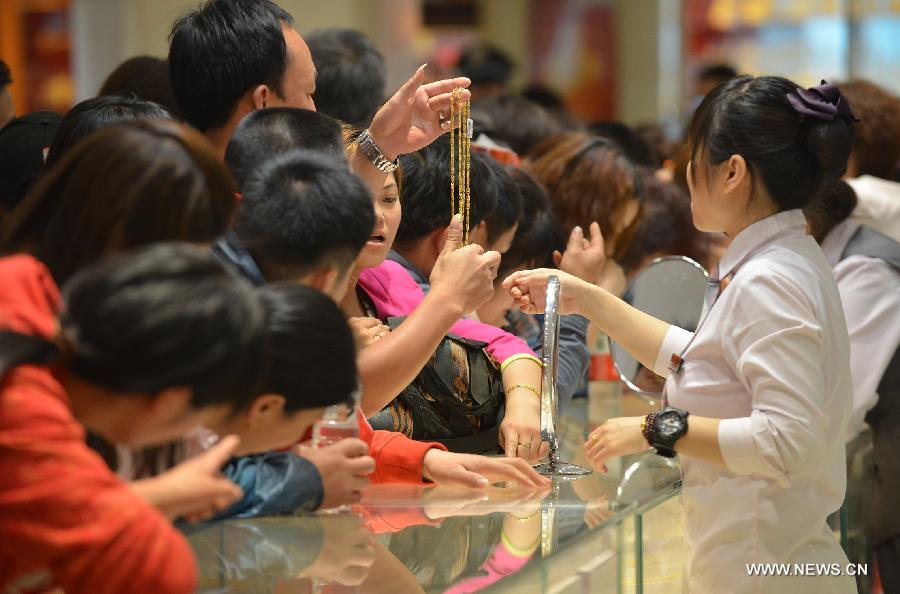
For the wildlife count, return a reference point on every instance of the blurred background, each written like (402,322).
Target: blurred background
(636,61)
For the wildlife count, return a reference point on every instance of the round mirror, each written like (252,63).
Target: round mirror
(671,289)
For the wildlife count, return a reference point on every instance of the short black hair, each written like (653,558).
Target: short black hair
(485,64)
(220,51)
(425,191)
(534,248)
(508,208)
(23,144)
(146,77)
(300,211)
(515,121)
(97,113)
(5,75)
(789,153)
(632,144)
(539,232)
(533,196)
(312,357)
(266,132)
(351,75)
(543,96)
(163,316)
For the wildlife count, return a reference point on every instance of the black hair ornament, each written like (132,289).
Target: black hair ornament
(823,102)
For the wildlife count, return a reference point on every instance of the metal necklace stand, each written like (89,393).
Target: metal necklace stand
(549,398)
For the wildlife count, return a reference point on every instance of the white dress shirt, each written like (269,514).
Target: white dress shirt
(878,204)
(772,360)
(870,291)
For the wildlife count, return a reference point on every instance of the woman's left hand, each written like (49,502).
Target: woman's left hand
(615,437)
(520,431)
(470,470)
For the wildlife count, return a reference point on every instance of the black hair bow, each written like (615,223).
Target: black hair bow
(824,102)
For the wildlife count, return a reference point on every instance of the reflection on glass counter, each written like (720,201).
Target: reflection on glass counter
(404,538)
(618,532)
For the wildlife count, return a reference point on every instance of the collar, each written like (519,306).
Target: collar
(228,248)
(410,268)
(790,223)
(836,241)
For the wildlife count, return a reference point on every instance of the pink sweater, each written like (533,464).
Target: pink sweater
(396,294)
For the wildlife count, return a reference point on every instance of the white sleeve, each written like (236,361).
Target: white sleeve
(870,291)
(775,346)
(674,342)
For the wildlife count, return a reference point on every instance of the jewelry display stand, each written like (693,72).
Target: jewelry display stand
(549,399)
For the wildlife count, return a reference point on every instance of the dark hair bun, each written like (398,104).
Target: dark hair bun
(830,143)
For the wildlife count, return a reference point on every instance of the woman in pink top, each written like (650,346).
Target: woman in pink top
(461,281)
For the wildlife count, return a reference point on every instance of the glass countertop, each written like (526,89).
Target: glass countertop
(581,535)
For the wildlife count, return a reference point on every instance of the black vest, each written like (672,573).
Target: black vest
(884,418)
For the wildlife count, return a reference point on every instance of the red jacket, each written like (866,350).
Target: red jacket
(398,459)
(65,519)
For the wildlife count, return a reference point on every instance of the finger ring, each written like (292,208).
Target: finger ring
(525,445)
(441,116)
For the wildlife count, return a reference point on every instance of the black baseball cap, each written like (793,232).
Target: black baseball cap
(23,148)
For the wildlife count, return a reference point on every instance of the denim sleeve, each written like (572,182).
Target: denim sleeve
(574,357)
(273,483)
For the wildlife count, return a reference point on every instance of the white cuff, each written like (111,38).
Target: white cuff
(675,341)
(737,445)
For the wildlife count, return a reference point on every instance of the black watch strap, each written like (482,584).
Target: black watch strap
(665,444)
(665,452)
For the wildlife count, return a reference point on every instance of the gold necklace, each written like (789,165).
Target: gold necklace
(460,158)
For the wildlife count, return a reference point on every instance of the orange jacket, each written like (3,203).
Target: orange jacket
(65,520)
(398,459)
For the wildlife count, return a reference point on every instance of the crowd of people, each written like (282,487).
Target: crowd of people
(224,245)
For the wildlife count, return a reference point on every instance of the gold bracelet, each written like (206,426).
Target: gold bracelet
(526,386)
(526,518)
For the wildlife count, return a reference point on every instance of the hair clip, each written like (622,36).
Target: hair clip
(823,102)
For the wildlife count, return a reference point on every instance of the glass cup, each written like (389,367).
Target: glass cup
(338,422)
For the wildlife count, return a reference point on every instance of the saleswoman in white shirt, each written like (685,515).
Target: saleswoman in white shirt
(759,397)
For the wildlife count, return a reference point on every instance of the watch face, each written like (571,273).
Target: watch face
(669,425)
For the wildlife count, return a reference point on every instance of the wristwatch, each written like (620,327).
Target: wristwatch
(375,154)
(665,428)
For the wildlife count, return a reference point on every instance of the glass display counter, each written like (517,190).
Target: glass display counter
(592,534)
(618,532)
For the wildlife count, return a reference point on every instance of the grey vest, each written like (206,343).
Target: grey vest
(884,418)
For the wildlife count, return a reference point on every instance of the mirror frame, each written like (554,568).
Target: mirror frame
(614,346)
